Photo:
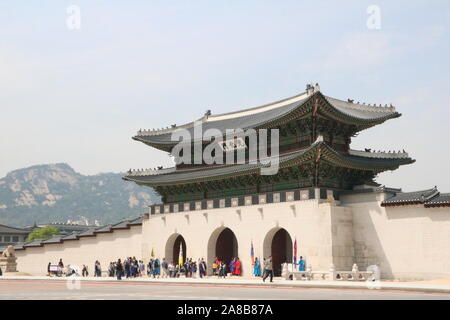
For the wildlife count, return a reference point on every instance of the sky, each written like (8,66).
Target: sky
(78,95)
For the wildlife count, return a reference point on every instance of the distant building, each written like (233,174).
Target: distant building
(66,228)
(12,235)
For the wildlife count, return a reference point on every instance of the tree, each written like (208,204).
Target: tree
(43,233)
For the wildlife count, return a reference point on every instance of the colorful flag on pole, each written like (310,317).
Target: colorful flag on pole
(180,256)
(252,253)
(295,252)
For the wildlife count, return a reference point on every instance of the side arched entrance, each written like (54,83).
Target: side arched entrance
(278,244)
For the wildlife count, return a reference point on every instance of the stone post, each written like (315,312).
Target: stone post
(355,272)
(309,272)
(332,272)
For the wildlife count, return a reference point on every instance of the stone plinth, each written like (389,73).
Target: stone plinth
(8,264)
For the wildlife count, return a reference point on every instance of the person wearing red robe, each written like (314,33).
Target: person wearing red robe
(237,269)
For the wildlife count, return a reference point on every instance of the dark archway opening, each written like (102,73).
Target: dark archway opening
(176,249)
(281,250)
(226,246)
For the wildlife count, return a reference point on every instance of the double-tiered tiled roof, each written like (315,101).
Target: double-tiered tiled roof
(361,115)
(315,133)
(354,160)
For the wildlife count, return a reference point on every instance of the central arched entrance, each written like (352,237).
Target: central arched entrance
(226,246)
(173,248)
(278,244)
(222,244)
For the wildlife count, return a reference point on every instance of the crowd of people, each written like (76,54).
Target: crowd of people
(155,268)
(220,268)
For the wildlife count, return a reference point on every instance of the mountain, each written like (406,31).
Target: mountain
(56,193)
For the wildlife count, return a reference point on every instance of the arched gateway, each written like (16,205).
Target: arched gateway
(278,244)
(173,248)
(222,244)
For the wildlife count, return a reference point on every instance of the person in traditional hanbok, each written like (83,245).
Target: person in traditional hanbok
(232,266)
(237,269)
(257,268)
(301,264)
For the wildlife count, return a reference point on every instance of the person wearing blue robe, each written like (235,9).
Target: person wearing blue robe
(301,264)
(257,268)
(232,266)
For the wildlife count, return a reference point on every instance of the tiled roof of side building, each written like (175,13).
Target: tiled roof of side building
(88,233)
(54,239)
(34,243)
(258,116)
(415,197)
(8,229)
(124,224)
(442,200)
(71,236)
(136,222)
(361,161)
(104,229)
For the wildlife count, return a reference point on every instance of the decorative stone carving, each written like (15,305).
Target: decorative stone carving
(8,260)
(8,252)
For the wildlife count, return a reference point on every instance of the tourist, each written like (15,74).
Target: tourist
(202,268)
(84,271)
(301,264)
(268,269)
(141,268)
(48,269)
(60,264)
(150,268)
(127,266)
(223,270)
(232,266)
(178,270)
(135,267)
(111,269)
(156,268)
(186,269)
(119,270)
(257,268)
(97,269)
(193,269)
(171,269)
(165,268)
(214,268)
(237,267)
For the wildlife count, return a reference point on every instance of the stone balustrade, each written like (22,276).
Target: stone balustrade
(289,272)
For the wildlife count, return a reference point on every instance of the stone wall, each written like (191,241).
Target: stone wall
(321,229)
(408,242)
(105,247)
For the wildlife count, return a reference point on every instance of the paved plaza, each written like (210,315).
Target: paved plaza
(61,289)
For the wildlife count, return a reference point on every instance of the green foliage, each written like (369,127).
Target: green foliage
(43,233)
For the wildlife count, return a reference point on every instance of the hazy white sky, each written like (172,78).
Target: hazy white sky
(77,96)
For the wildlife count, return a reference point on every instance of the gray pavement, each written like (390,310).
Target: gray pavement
(61,289)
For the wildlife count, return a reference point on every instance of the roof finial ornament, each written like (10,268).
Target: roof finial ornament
(207,113)
(319,138)
(316,87)
(350,100)
(309,89)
